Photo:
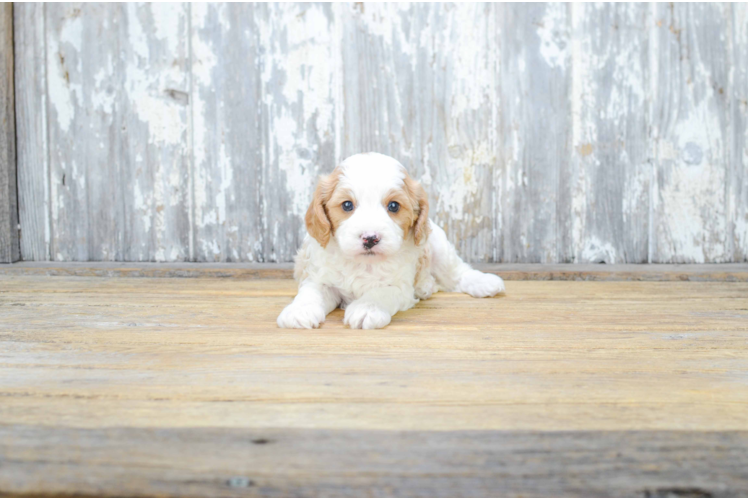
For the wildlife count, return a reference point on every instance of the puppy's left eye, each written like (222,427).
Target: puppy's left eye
(393,206)
(347,206)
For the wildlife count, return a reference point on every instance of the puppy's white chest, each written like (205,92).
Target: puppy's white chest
(354,280)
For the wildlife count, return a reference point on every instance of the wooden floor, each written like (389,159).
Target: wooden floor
(142,386)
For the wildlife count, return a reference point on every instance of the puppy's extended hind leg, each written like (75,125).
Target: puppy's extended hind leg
(454,275)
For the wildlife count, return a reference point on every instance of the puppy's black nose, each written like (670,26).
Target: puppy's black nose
(370,240)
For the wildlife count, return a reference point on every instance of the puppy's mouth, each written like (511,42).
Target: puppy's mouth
(370,253)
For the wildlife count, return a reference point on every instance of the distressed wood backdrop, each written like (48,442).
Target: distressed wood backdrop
(9,248)
(543,132)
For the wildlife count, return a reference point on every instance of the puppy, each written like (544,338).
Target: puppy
(372,250)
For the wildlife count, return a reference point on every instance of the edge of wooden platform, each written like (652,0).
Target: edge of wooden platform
(220,462)
(510,272)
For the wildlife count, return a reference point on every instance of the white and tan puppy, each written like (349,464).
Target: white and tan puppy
(372,250)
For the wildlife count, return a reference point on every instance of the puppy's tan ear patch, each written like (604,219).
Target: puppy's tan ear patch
(318,224)
(421,208)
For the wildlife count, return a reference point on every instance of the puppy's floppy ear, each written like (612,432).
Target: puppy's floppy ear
(318,224)
(421,208)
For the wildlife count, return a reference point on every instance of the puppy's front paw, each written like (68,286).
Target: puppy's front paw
(480,284)
(366,315)
(301,316)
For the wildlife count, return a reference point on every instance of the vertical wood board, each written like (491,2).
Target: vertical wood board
(691,131)
(9,249)
(738,180)
(536,130)
(612,170)
(31,129)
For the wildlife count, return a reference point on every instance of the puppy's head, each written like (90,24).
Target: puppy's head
(370,205)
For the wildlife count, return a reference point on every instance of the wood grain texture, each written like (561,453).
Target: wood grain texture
(692,131)
(197,462)
(509,272)
(115,386)
(262,136)
(9,246)
(33,152)
(536,133)
(68,176)
(544,133)
(226,132)
(610,95)
(117,78)
(738,193)
(154,75)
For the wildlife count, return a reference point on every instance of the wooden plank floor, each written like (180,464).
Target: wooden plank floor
(141,386)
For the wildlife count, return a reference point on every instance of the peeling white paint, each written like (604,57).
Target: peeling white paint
(62,92)
(472,70)
(596,252)
(142,207)
(434,74)
(163,117)
(299,77)
(227,182)
(584,132)
(693,196)
(553,34)
(166,22)
(457,194)
(204,62)
(740,214)
(135,34)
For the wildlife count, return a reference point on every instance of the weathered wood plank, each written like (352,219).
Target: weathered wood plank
(536,132)
(692,131)
(118,89)
(420,84)
(33,152)
(261,136)
(510,272)
(154,146)
(66,128)
(610,101)
(187,387)
(738,181)
(43,461)
(9,246)
(227,144)
(300,89)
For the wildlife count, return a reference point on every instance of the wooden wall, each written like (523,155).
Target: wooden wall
(9,249)
(543,132)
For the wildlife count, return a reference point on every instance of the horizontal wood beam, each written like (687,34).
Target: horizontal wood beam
(45,461)
(511,272)
(9,247)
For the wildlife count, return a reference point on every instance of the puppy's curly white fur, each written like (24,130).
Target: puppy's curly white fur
(372,250)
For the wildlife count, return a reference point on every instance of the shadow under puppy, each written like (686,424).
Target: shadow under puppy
(372,250)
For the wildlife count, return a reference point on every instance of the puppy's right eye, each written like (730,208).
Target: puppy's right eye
(347,206)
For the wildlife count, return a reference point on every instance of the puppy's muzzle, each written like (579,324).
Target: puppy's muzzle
(370,240)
